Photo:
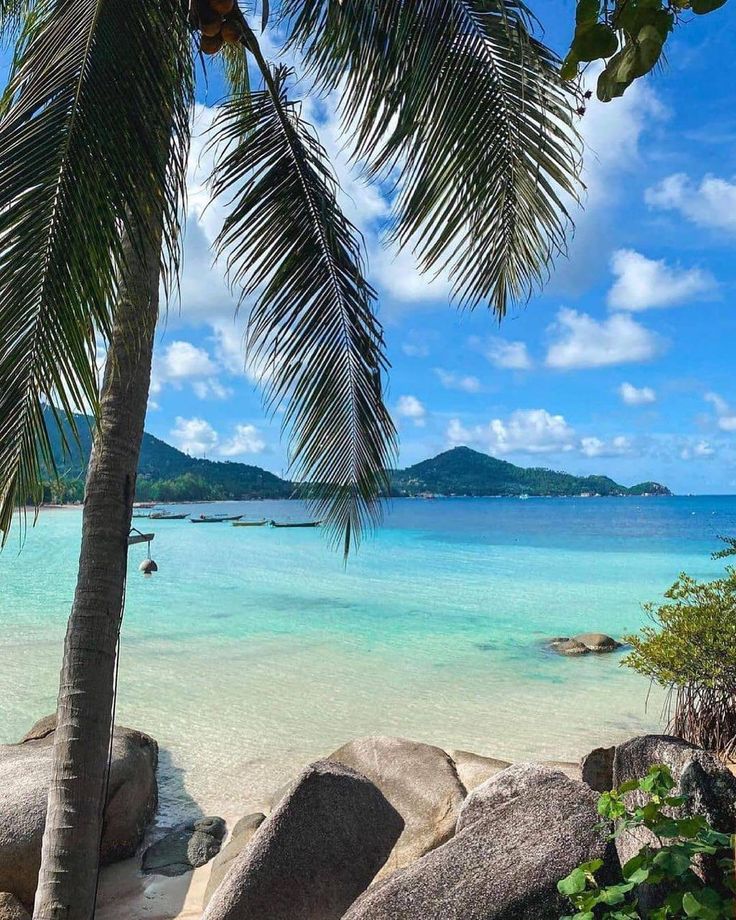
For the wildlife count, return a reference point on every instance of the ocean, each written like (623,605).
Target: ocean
(255,650)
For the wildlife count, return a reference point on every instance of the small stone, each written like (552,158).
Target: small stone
(186,847)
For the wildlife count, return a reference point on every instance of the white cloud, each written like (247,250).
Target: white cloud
(636,396)
(532,431)
(415,351)
(464,382)
(211,389)
(409,407)
(197,437)
(643,283)
(509,355)
(725,414)
(246,439)
(182,360)
(584,342)
(616,447)
(194,436)
(697,451)
(710,204)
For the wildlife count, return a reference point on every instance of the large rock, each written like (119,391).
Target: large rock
(239,838)
(25,773)
(11,908)
(518,835)
(474,769)
(710,788)
(185,847)
(421,783)
(314,854)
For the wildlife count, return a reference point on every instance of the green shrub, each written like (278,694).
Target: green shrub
(691,651)
(682,842)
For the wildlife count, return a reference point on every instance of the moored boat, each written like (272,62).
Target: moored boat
(167,516)
(297,524)
(215,518)
(250,523)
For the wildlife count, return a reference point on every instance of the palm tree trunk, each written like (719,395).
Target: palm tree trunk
(71,842)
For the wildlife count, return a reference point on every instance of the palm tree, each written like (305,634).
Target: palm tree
(454,100)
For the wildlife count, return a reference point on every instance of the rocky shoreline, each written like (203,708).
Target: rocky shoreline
(381,828)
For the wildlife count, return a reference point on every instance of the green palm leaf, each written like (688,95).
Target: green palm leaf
(312,328)
(463,102)
(96,87)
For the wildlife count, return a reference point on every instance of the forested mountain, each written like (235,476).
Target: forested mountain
(168,474)
(462,471)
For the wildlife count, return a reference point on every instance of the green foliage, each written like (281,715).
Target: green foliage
(683,842)
(629,35)
(691,650)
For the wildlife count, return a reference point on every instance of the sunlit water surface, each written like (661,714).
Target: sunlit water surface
(253,650)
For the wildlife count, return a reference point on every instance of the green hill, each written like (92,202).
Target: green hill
(168,474)
(462,471)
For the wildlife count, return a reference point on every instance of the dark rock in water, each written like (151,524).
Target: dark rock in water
(25,773)
(597,769)
(186,847)
(11,908)
(583,644)
(485,646)
(313,855)
(239,838)
(598,642)
(563,645)
(518,835)
(708,785)
(421,783)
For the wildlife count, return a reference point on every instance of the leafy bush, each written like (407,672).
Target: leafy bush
(683,841)
(691,651)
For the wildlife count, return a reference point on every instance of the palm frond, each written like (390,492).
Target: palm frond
(312,328)
(235,65)
(12,15)
(93,134)
(461,101)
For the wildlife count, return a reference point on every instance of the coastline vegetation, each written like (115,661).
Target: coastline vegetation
(690,650)
(682,840)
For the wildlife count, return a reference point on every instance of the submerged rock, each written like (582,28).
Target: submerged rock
(25,774)
(584,644)
(187,846)
(563,645)
(239,838)
(598,642)
(421,783)
(313,855)
(518,834)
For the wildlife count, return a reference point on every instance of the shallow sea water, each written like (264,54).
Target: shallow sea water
(254,650)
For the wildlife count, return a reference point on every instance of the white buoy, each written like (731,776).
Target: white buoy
(148,567)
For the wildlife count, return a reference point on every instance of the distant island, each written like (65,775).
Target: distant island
(168,475)
(462,471)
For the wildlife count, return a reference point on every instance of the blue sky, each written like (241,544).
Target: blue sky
(622,365)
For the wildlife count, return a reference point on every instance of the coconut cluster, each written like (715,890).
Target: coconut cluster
(219,22)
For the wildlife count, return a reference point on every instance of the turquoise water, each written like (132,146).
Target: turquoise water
(253,649)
